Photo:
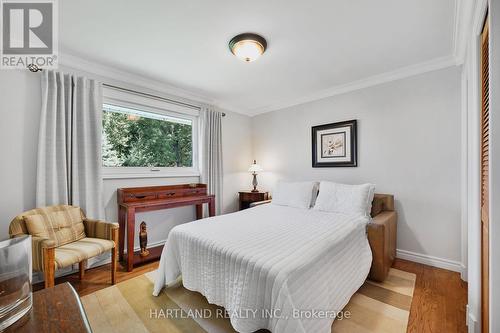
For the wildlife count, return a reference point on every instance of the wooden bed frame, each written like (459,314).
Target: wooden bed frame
(381,232)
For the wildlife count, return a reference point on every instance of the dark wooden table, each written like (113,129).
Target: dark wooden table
(145,199)
(54,310)
(247,197)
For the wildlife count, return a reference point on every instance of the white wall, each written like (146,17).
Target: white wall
(409,146)
(237,157)
(20,108)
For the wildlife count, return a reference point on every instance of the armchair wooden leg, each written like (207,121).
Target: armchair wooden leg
(49,266)
(81,269)
(114,255)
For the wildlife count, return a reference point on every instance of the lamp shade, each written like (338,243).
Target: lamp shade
(255,167)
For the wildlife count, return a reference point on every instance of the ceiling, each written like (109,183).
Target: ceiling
(313,46)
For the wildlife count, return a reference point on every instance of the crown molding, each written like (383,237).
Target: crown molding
(132,80)
(110,74)
(412,70)
(126,79)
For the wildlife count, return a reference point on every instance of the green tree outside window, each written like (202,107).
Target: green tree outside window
(136,140)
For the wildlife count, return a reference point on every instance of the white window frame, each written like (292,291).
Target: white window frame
(161,107)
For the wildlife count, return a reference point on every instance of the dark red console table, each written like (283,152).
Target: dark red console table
(144,199)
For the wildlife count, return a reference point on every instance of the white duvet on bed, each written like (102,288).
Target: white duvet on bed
(271,267)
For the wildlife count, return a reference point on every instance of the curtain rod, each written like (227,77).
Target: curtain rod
(154,96)
(34,68)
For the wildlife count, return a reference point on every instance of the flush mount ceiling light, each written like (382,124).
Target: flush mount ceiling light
(248,47)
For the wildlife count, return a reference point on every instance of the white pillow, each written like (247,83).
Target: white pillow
(295,194)
(343,198)
(371,195)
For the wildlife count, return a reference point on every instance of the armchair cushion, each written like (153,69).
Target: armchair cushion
(63,226)
(18,226)
(82,249)
(99,229)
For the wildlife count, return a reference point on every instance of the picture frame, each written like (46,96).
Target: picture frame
(335,145)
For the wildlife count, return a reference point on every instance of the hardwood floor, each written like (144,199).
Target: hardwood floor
(438,303)
(439,299)
(100,277)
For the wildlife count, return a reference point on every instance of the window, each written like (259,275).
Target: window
(141,141)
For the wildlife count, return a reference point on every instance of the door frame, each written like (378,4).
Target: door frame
(471,154)
(485,245)
(494,225)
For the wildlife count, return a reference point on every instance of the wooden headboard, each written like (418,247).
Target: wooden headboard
(382,233)
(382,202)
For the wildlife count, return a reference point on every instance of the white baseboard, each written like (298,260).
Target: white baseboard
(425,259)
(463,273)
(472,324)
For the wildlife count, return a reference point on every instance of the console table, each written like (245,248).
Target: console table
(144,199)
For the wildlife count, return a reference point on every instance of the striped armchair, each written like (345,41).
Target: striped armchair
(63,236)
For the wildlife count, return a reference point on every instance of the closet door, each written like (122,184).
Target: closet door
(485,171)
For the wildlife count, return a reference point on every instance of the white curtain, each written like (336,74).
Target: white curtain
(69,148)
(211,153)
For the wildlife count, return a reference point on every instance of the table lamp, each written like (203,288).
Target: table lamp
(254,168)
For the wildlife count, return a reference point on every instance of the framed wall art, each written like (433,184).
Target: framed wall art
(334,145)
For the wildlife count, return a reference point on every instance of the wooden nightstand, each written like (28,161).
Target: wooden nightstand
(247,197)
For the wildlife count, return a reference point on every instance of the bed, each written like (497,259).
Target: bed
(279,268)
